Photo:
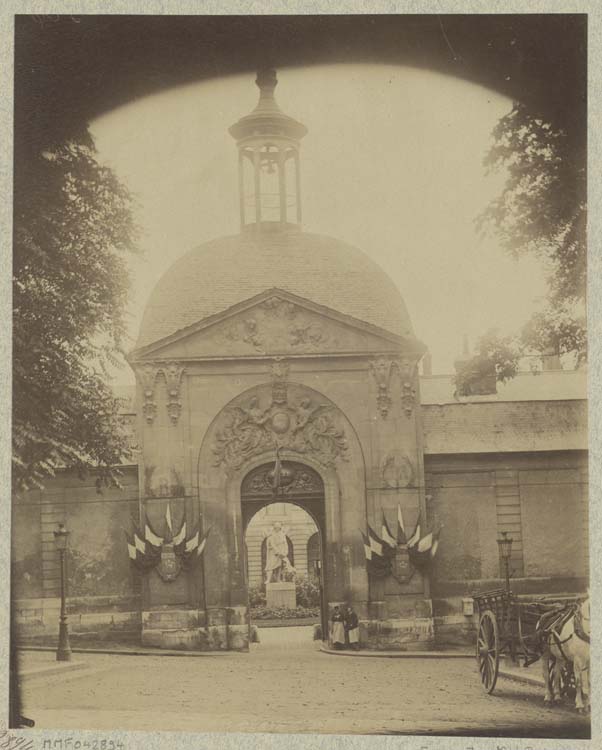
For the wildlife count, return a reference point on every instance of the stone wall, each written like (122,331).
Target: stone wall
(540,499)
(102,588)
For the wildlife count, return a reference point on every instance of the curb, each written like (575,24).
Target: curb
(520,677)
(52,669)
(400,654)
(133,652)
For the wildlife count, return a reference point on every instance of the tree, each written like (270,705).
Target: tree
(496,360)
(73,227)
(542,211)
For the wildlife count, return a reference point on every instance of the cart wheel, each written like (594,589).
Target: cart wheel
(488,650)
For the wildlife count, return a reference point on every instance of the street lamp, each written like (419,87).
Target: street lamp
(63,652)
(505,545)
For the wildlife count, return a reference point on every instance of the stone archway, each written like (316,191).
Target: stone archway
(308,429)
(302,486)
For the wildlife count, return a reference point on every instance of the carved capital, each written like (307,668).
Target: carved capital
(381,369)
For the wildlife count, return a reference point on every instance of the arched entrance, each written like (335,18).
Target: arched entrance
(301,486)
(319,444)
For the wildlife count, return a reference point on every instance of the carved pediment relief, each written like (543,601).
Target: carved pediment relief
(276,325)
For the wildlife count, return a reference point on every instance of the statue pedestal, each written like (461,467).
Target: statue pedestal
(281,594)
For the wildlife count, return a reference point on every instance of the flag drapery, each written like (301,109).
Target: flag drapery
(151,537)
(380,550)
(145,548)
(143,556)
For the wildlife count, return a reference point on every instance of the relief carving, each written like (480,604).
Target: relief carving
(279,371)
(147,375)
(299,478)
(381,370)
(281,308)
(396,470)
(407,372)
(245,331)
(173,377)
(279,324)
(305,427)
(306,333)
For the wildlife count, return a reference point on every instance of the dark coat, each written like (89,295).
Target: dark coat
(351,621)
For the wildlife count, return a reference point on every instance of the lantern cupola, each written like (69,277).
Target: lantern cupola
(268,161)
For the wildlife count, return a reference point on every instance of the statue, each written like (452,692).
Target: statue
(277,562)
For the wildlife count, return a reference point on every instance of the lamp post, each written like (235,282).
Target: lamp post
(63,652)
(505,545)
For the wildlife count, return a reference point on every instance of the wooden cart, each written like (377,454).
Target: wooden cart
(508,627)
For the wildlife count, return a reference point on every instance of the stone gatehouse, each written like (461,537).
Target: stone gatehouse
(280,346)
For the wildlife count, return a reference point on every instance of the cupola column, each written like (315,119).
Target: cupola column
(257,186)
(268,145)
(298,181)
(282,181)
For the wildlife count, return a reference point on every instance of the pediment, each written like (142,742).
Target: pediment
(274,323)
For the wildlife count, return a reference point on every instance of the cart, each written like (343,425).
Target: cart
(509,627)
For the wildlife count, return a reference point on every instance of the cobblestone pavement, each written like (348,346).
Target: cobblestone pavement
(287,685)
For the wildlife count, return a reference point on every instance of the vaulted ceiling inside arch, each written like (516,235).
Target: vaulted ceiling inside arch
(70,69)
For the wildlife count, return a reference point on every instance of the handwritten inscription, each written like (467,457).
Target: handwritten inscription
(13,742)
(69,743)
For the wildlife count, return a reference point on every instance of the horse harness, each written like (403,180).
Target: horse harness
(551,624)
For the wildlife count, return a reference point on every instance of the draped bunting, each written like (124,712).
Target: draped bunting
(144,548)
(380,550)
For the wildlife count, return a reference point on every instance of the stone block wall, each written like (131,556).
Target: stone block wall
(540,499)
(103,591)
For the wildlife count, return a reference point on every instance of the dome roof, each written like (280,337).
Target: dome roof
(229,270)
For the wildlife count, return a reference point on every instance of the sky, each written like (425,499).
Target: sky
(392,163)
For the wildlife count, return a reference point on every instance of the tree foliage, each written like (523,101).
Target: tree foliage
(73,227)
(496,360)
(542,211)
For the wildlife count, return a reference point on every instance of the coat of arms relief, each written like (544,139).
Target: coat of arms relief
(264,422)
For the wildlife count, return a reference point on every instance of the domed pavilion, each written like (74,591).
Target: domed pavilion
(277,381)
(278,365)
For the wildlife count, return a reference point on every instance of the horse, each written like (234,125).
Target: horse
(565,640)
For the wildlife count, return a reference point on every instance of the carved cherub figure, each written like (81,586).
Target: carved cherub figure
(255,414)
(304,413)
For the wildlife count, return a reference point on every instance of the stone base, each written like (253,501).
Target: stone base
(101,618)
(408,634)
(189,630)
(281,594)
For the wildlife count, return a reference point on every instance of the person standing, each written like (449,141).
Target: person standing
(352,628)
(338,629)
